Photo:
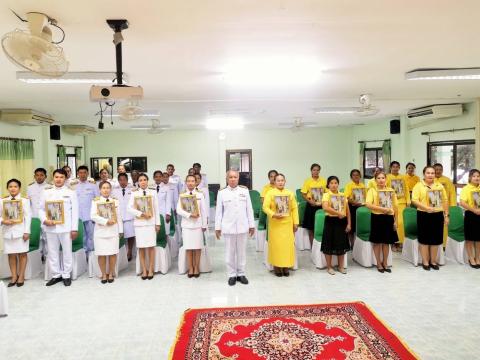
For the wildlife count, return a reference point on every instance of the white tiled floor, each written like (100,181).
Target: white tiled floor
(436,313)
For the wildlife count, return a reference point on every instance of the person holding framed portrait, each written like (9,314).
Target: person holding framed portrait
(281,208)
(337,225)
(143,205)
(312,191)
(355,192)
(382,201)
(430,198)
(15,219)
(34,191)
(59,214)
(105,213)
(192,208)
(470,201)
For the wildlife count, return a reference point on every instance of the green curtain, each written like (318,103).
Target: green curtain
(62,156)
(387,154)
(78,155)
(361,156)
(16,161)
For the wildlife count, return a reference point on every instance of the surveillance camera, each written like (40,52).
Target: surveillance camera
(105,92)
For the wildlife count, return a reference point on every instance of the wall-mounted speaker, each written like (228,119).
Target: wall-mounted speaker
(54,132)
(395,126)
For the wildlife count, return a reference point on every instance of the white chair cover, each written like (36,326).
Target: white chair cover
(163,260)
(205,261)
(302,241)
(318,257)
(173,245)
(363,253)
(94,268)
(411,253)
(79,265)
(33,269)
(456,251)
(260,238)
(3,300)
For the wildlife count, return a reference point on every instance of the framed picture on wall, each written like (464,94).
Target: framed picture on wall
(138,163)
(99,163)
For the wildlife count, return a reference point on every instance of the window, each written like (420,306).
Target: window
(241,161)
(138,163)
(71,161)
(97,163)
(372,158)
(457,158)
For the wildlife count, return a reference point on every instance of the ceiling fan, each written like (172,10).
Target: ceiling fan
(366,108)
(155,128)
(131,110)
(297,124)
(35,50)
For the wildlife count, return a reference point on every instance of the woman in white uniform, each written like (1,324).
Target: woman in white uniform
(193,227)
(107,232)
(143,205)
(15,219)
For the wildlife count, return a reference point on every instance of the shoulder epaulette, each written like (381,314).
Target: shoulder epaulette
(92,181)
(243,186)
(5,197)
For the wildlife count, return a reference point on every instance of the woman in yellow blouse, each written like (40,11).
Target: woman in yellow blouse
(430,199)
(337,225)
(312,191)
(270,185)
(399,185)
(382,200)
(280,206)
(450,190)
(355,193)
(470,201)
(410,178)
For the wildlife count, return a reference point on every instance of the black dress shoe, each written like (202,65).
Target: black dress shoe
(196,275)
(144,277)
(286,272)
(242,279)
(426,267)
(150,277)
(20,284)
(232,281)
(381,270)
(190,275)
(434,266)
(472,266)
(10,284)
(67,282)
(279,274)
(104,281)
(53,281)
(110,280)
(388,270)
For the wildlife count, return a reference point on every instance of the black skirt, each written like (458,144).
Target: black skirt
(382,230)
(472,226)
(309,216)
(353,217)
(335,239)
(430,228)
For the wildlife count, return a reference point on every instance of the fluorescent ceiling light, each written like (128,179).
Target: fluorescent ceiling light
(444,74)
(336,110)
(224,123)
(288,70)
(81,77)
(107,114)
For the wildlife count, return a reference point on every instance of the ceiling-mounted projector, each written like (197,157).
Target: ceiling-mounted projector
(106,93)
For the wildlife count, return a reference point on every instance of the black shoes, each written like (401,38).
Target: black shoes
(104,281)
(426,267)
(286,272)
(381,270)
(53,281)
(388,270)
(434,266)
(232,281)
(20,284)
(10,284)
(242,279)
(67,282)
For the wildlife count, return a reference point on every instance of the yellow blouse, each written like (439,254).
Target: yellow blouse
(319,186)
(385,198)
(273,205)
(432,196)
(411,181)
(371,184)
(449,188)
(471,195)
(266,189)
(399,185)
(337,201)
(355,192)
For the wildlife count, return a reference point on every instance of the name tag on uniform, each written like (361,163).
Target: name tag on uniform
(242,196)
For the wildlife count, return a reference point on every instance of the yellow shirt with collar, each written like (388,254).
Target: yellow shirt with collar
(403,197)
(337,201)
(350,193)
(470,194)
(420,193)
(373,198)
(312,183)
(411,181)
(449,188)
(266,189)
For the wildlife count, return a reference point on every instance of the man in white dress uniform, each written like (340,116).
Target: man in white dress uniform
(198,170)
(122,194)
(34,191)
(63,233)
(234,220)
(164,196)
(176,182)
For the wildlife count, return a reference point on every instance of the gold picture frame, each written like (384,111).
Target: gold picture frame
(317,194)
(107,210)
(358,195)
(434,199)
(385,199)
(476,199)
(338,203)
(189,204)
(282,206)
(144,204)
(13,211)
(398,187)
(55,211)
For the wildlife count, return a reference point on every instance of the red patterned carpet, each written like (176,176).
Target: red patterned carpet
(296,332)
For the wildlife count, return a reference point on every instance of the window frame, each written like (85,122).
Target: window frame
(120,158)
(377,149)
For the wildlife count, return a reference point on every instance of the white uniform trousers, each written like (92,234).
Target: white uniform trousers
(235,257)
(60,268)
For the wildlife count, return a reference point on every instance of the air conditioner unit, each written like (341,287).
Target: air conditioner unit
(25,117)
(81,130)
(436,112)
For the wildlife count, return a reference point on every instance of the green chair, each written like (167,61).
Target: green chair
(79,263)
(34,257)
(319,225)
(410,244)
(301,211)
(262,221)
(455,247)
(162,234)
(121,242)
(213,201)
(363,223)
(342,190)
(299,196)
(261,233)
(35,231)
(77,244)
(172,224)
(256,203)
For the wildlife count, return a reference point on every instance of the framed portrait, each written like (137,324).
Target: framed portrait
(398,187)
(282,207)
(476,199)
(338,203)
(434,198)
(385,199)
(358,195)
(189,204)
(55,211)
(144,204)
(317,194)
(13,211)
(107,210)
